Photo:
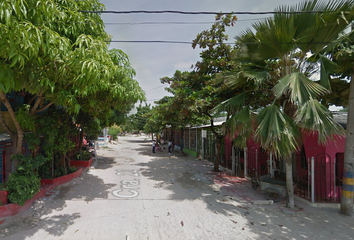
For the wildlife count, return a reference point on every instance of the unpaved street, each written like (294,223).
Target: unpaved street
(131,193)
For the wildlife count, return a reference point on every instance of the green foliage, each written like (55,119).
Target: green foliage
(139,119)
(24,118)
(196,93)
(32,140)
(58,54)
(55,125)
(21,188)
(89,124)
(86,155)
(45,171)
(25,183)
(343,110)
(27,165)
(114,131)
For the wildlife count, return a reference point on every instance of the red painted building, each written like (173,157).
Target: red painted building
(327,164)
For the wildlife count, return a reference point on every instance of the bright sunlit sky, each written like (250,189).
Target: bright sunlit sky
(153,61)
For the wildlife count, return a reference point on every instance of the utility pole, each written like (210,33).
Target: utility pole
(346,203)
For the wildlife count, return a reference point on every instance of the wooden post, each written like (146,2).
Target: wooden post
(233,161)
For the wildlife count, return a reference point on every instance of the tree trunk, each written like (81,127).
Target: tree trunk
(16,137)
(182,140)
(17,148)
(63,157)
(290,110)
(95,148)
(81,138)
(289,182)
(346,204)
(217,160)
(53,165)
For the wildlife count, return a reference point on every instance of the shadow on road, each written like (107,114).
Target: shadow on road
(40,217)
(191,179)
(187,179)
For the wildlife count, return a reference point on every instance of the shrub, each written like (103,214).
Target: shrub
(21,188)
(114,131)
(85,155)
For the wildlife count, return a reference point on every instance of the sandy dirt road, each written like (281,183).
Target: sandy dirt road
(131,193)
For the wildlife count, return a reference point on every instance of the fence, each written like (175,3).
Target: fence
(318,179)
(209,149)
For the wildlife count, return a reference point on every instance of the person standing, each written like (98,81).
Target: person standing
(153,146)
(169,146)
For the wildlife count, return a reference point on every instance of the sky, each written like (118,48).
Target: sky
(153,61)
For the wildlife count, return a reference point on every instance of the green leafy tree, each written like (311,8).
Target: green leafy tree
(196,92)
(177,111)
(36,53)
(57,62)
(154,123)
(139,118)
(114,131)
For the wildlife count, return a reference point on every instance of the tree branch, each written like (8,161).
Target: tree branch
(7,104)
(36,104)
(31,100)
(44,108)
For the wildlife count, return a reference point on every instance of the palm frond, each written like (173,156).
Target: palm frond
(277,132)
(300,87)
(315,117)
(319,29)
(234,103)
(231,79)
(241,124)
(327,67)
(257,76)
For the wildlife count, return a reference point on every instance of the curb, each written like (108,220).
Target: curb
(13,209)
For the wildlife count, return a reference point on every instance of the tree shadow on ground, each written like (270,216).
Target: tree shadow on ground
(42,215)
(147,142)
(233,196)
(104,162)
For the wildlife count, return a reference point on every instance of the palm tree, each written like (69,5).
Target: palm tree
(283,52)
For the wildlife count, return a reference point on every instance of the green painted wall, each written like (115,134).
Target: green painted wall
(190,152)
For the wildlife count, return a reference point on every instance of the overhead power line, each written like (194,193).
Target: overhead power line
(227,43)
(163,23)
(200,13)
(157,23)
(174,23)
(143,41)
(155,88)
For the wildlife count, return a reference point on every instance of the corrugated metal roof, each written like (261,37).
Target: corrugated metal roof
(217,122)
(341,118)
(4,137)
